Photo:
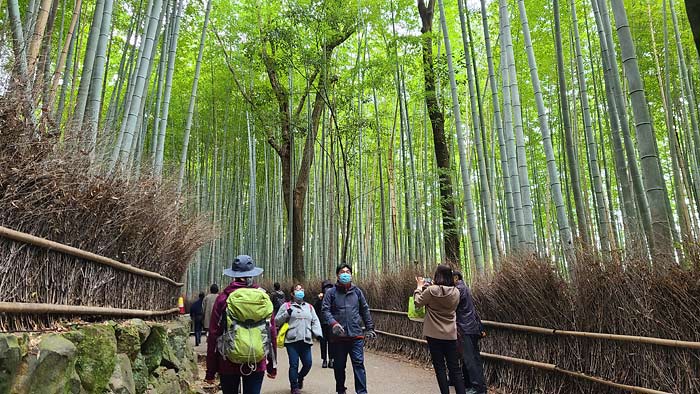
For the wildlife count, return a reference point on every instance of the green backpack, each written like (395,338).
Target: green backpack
(247,338)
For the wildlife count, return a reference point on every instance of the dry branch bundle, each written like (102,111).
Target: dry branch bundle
(55,193)
(630,299)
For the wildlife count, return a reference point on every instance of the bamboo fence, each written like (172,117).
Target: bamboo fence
(32,308)
(81,254)
(592,335)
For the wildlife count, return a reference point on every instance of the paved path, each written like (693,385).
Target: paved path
(384,375)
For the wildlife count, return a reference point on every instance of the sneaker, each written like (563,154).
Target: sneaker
(325,364)
(296,391)
(330,365)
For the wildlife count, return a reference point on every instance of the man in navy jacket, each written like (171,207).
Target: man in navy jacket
(470,330)
(346,311)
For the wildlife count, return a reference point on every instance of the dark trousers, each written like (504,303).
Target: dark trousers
(445,358)
(296,351)
(326,346)
(198,326)
(252,384)
(472,367)
(354,349)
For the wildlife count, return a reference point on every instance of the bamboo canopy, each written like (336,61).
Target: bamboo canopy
(82,254)
(593,335)
(544,366)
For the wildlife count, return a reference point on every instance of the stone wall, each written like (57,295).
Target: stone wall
(119,358)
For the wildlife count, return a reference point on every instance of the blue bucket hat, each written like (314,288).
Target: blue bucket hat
(243,267)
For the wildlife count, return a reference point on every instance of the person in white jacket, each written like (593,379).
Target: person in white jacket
(304,326)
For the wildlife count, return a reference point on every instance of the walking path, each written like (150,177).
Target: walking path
(384,375)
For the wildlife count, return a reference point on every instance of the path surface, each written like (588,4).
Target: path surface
(384,375)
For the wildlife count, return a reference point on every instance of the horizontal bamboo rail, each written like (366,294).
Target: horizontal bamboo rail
(540,365)
(581,334)
(36,308)
(82,254)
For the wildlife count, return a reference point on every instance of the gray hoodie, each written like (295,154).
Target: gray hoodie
(303,322)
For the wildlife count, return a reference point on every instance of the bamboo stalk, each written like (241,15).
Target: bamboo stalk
(544,366)
(581,334)
(36,308)
(82,254)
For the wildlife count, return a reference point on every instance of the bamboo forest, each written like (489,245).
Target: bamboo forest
(549,150)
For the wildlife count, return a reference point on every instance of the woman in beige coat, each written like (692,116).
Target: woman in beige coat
(440,326)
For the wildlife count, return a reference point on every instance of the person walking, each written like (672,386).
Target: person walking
(439,327)
(304,326)
(197,316)
(208,304)
(277,297)
(470,331)
(241,312)
(326,345)
(346,310)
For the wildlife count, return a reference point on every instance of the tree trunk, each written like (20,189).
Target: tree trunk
(692,8)
(451,234)
(463,165)
(294,197)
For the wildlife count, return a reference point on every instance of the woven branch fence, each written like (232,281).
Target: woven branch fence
(15,315)
(548,331)
(655,314)
(89,243)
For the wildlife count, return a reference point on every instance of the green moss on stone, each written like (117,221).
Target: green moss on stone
(165,380)
(140,373)
(96,357)
(155,346)
(122,380)
(128,340)
(55,366)
(10,358)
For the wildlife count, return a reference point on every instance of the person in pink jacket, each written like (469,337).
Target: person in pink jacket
(243,270)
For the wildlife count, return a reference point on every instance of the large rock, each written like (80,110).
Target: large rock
(128,340)
(96,356)
(54,369)
(183,354)
(122,380)
(143,329)
(164,380)
(177,354)
(140,373)
(10,359)
(155,346)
